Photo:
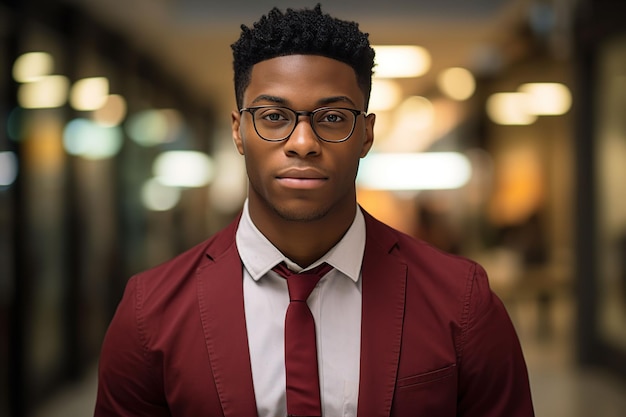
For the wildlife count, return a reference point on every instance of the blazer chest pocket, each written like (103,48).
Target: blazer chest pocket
(416,380)
(430,394)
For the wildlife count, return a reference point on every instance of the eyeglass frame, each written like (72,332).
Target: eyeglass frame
(299,113)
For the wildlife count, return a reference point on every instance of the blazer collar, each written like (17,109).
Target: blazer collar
(384,285)
(220,299)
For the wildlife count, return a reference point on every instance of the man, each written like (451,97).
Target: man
(400,328)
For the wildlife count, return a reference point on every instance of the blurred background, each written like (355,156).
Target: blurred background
(500,135)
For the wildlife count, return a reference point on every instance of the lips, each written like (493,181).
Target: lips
(302,178)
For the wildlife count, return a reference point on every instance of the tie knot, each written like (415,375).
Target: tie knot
(301,284)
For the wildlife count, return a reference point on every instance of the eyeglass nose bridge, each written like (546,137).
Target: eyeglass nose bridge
(298,114)
(303,113)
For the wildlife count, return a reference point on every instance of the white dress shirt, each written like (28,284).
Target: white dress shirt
(336,306)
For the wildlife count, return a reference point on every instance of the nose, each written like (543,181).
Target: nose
(303,141)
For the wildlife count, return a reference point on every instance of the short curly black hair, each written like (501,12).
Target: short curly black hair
(307,32)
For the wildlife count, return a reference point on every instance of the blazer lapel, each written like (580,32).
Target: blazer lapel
(220,297)
(384,285)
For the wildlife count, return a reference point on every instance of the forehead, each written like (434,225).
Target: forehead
(302,81)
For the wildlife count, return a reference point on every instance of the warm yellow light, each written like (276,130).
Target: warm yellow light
(411,127)
(46,92)
(457,83)
(32,66)
(547,99)
(520,186)
(416,113)
(89,93)
(183,169)
(112,112)
(386,94)
(509,109)
(401,61)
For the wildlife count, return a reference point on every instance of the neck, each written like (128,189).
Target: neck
(304,242)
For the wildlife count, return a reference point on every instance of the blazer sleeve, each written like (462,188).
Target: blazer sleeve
(129,380)
(493,379)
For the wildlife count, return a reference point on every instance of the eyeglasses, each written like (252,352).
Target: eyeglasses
(330,124)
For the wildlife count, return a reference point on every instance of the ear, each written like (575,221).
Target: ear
(370,119)
(235,125)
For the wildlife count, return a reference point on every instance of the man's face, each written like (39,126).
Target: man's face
(302,178)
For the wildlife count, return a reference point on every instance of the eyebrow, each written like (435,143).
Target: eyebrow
(322,102)
(273,99)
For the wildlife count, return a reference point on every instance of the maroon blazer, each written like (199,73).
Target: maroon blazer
(435,341)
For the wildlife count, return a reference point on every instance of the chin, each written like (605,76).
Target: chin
(301,214)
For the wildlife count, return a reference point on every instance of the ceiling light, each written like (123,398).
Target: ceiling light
(46,92)
(183,169)
(32,66)
(414,171)
(457,83)
(509,109)
(87,139)
(401,61)
(547,99)
(385,95)
(89,93)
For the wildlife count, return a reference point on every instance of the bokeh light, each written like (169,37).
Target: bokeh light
(89,93)
(154,127)
(457,83)
(112,113)
(49,91)
(547,99)
(183,168)
(414,171)
(385,95)
(510,109)
(31,66)
(8,168)
(87,139)
(401,61)
(159,197)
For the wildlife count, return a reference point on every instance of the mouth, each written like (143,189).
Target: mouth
(302,178)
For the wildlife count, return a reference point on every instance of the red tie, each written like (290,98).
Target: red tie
(303,385)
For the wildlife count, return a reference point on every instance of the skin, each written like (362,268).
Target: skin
(302,193)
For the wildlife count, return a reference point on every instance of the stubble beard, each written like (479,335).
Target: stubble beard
(300,215)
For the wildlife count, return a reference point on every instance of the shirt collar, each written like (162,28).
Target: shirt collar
(259,255)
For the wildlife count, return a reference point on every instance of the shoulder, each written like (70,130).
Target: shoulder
(449,280)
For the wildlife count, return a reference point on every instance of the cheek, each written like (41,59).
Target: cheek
(251,158)
(258,157)
(348,164)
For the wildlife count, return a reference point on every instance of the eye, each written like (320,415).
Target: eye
(273,115)
(331,117)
